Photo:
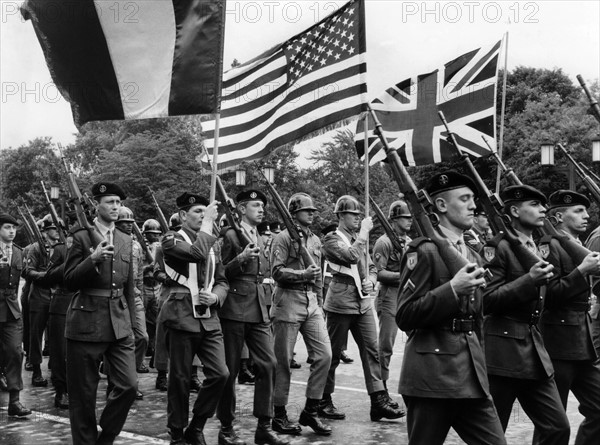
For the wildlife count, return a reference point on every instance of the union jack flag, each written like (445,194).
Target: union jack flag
(464,89)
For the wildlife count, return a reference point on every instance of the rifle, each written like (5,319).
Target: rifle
(576,251)
(421,206)
(28,229)
(80,201)
(294,230)
(161,216)
(142,241)
(36,232)
(492,204)
(594,107)
(589,183)
(232,217)
(54,216)
(397,242)
(590,173)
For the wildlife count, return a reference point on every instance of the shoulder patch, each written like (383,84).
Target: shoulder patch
(544,249)
(489,252)
(377,256)
(411,260)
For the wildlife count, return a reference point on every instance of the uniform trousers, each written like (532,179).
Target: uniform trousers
(596,334)
(540,401)
(183,346)
(259,338)
(139,332)
(83,358)
(388,329)
(314,332)
(58,354)
(38,320)
(161,354)
(582,377)
(151,294)
(428,421)
(11,338)
(364,332)
(25,315)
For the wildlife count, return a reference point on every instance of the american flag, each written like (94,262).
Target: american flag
(312,83)
(464,89)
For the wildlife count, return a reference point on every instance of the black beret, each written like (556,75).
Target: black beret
(520,193)
(107,189)
(567,198)
(263,228)
(187,200)
(5,218)
(251,195)
(450,180)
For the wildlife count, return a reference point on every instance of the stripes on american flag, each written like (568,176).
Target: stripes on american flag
(312,83)
(464,89)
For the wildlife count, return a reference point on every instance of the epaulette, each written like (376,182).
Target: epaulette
(76,229)
(418,241)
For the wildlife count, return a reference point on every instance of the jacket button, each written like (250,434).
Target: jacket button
(436,350)
(505,333)
(562,321)
(470,333)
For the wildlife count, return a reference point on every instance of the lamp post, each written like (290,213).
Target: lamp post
(240,177)
(55,196)
(596,150)
(547,160)
(269,173)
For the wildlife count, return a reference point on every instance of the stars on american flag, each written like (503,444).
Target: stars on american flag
(328,42)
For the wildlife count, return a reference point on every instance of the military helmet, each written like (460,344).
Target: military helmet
(151,226)
(48,223)
(300,201)
(347,204)
(399,209)
(174,221)
(125,215)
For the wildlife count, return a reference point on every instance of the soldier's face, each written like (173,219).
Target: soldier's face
(125,226)
(108,208)
(152,237)
(253,212)
(305,217)
(351,221)
(192,218)
(8,233)
(482,222)
(575,218)
(402,224)
(52,234)
(458,206)
(531,213)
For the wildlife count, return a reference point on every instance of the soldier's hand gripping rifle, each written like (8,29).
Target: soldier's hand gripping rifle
(54,216)
(294,230)
(161,216)
(231,215)
(493,206)
(594,107)
(420,205)
(28,229)
(589,183)
(80,203)
(576,251)
(142,241)
(36,233)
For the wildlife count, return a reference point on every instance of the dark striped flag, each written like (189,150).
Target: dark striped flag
(132,60)
(312,83)
(464,89)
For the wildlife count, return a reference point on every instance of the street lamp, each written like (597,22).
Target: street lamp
(269,173)
(547,153)
(596,149)
(240,177)
(54,192)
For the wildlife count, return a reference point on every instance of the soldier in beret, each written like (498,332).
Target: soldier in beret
(443,379)
(244,317)
(11,323)
(387,260)
(593,244)
(480,233)
(99,321)
(190,316)
(518,364)
(566,322)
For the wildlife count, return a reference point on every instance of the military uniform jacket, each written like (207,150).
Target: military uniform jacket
(10,275)
(295,297)
(177,253)
(344,297)
(61,296)
(246,300)
(35,270)
(511,302)
(593,243)
(565,321)
(93,317)
(387,261)
(438,363)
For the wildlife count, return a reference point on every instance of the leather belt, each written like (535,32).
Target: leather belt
(254,279)
(462,325)
(107,293)
(579,307)
(306,287)
(344,279)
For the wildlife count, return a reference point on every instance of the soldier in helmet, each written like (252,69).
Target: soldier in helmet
(348,306)
(175,222)
(297,307)
(124,223)
(151,288)
(387,260)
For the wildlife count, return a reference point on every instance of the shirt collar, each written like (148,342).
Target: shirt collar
(453,237)
(102,228)
(524,238)
(577,240)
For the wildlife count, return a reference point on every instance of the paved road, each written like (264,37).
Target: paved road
(147,421)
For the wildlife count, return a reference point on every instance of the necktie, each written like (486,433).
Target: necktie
(109,237)
(9,255)
(460,246)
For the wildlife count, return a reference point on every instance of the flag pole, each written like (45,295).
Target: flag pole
(367,210)
(502,110)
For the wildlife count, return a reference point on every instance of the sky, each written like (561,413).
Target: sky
(403,39)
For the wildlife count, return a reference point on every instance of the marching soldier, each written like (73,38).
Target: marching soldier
(387,260)
(566,322)
(151,287)
(518,364)
(298,308)
(244,317)
(190,316)
(479,234)
(348,306)
(593,243)
(443,379)
(11,320)
(99,321)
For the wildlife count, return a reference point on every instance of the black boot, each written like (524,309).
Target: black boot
(194,434)
(228,436)
(390,401)
(282,424)
(15,408)
(245,376)
(61,400)
(380,408)
(105,438)
(264,434)
(309,417)
(328,410)
(161,381)
(37,379)
(176,436)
